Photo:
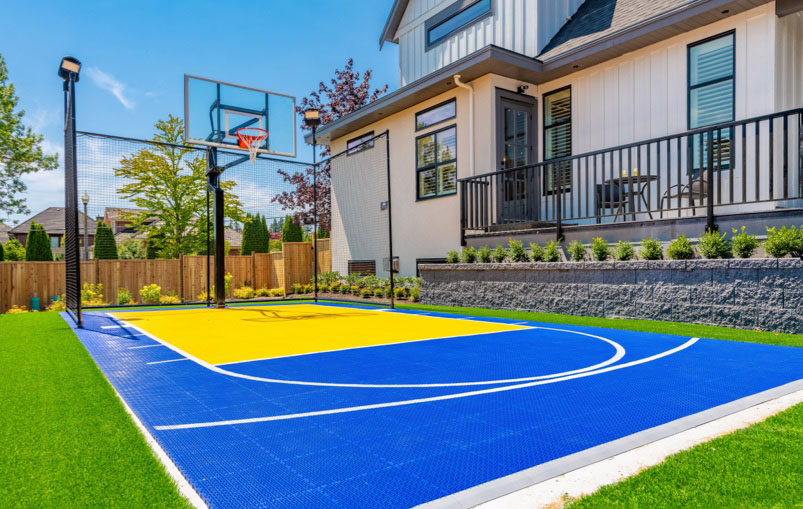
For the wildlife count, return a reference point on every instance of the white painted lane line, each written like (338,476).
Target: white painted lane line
(143,346)
(210,424)
(116,326)
(169,360)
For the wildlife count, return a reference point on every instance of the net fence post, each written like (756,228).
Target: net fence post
(72,261)
(213,181)
(314,217)
(209,164)
(390,222)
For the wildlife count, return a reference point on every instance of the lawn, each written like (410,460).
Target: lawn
(66,439)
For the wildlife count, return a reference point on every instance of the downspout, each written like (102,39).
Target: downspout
(470,89)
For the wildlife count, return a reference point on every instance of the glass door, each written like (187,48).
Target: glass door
(515,149)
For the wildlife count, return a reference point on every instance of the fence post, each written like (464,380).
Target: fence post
(181,276)
(558,190)
(709,182)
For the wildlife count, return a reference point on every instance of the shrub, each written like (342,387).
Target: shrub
(399,293)
(1,252)
(484,254)
(782,242)
(92,295)
(296,288)
(651,249)
(577,251)
(623,251)
(517,252)
(415,294)
(228,278)
(713,245)
(551,252)
(499,254)
(202,297)
(452,256)
(105,247)
(308,288)
(469,255)
(600,249)
(680,249)
(17,309)
(366,293)
(14,251)
(291,232)
(169,299)
(277,292)
(323,287)
(743,244)
(37,245)
(334,288)
(123,297)
(379,292)
(244,292)
(131,249)
(59,304)
(386,292)
(262,292)
(536,252)
(355,290)
(151,294)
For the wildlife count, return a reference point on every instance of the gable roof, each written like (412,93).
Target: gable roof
(393,21)
(52,218)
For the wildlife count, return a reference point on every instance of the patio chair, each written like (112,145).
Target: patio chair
(609,196)
(696,189)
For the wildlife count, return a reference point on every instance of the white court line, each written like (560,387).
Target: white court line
(251,420)
(143,346)
(169,360)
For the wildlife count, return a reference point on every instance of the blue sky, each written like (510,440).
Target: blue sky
(134,56)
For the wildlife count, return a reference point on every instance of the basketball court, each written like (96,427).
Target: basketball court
(326,405)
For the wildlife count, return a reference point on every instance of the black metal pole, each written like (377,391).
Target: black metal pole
(208,245)
(71,197)
(213,182)
(390,222)
(314,215)
(709,183)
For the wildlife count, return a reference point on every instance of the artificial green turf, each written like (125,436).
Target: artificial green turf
(65,438)
(681,329)
(759,466)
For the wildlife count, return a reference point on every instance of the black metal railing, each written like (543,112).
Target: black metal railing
(753,164)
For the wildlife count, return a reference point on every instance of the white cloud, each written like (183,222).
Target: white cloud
(110,84)
(42,118)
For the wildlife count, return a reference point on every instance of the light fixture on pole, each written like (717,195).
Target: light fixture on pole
(85,201)
(312,119)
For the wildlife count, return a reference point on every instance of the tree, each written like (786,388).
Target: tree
(249,235)
(14,251)
(168,182)
(131,249)
(275,225)
(261,237)
(20,150)
(1,252)
(348,92)
(105,245)
(291,232)
(37,245)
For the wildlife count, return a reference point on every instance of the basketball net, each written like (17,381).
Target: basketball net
(251,138)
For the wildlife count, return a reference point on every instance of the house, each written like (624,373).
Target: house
(3,233)
(119,219)
(577,119)
(52,219)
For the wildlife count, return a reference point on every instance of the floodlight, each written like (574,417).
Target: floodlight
(69,65)
(312,117)
(85,198)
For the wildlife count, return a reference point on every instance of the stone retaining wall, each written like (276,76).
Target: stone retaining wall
(764,294)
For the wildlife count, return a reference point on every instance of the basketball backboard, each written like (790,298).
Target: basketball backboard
(214,110)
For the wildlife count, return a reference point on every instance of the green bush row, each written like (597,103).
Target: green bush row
(779,243)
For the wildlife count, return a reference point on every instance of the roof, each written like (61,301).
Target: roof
(52,218)
(233,237)
(394,19)
(111,214)
(599,31)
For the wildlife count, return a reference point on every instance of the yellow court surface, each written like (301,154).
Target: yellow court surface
(220,336)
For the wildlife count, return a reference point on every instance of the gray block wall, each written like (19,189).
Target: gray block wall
(764,294)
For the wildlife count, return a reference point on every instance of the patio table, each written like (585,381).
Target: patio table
(639,183)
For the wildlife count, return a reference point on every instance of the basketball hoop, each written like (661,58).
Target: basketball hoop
(251,138)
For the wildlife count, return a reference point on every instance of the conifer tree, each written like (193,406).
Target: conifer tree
(105,245)
(37,245)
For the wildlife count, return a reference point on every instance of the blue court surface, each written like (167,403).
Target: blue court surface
(452,422)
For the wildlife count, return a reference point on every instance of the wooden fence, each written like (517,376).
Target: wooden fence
(185,276)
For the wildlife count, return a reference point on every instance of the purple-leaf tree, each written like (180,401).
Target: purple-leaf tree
(348,91)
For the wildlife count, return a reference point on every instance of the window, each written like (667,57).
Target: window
(456,17)
(436,163)
(358,144)
(558,138)
(55,242)
(362,267)
(435,115)
(711,96)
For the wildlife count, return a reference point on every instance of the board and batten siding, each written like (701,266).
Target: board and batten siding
(523,26)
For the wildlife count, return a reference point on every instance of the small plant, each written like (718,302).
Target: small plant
(228,279)
(399,293)
(355,290)
(308,288)
(151,294)
(651,249)
(297,288)
(452,256)
(484,254)
(536,252)
(262,292)
(203,296)
(415,294)
(623,251)
(782,242)
(713,245)
(366,293)
(335,288)
(323,287)
(169,299)
(499,254)
(577,251)
(123,297)
(469,255)
(379,292)
(277,292)
(92,295)
(17,309)
(59,304)
(517,252)
(551,252)
(743,244)
(680,249)
(386,292)
(600,249)
(244,292)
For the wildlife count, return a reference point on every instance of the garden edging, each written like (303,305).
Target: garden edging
(750,293)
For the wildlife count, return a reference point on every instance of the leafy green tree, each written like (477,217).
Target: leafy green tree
(1,253)
(168,182)
(132,249)
(154,246)
(37,245)
(105,245)
(276,225)
(14,251)
(291,232)
(20,150)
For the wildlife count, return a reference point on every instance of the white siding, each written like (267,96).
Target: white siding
(523,26)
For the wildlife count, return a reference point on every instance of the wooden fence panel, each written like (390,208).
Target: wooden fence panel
(324,255)
(297,263)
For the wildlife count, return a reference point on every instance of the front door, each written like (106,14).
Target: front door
(515,148)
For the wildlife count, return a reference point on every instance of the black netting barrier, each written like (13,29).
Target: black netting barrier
(72,262)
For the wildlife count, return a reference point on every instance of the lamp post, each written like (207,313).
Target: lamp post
(312,119)
(85,201)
